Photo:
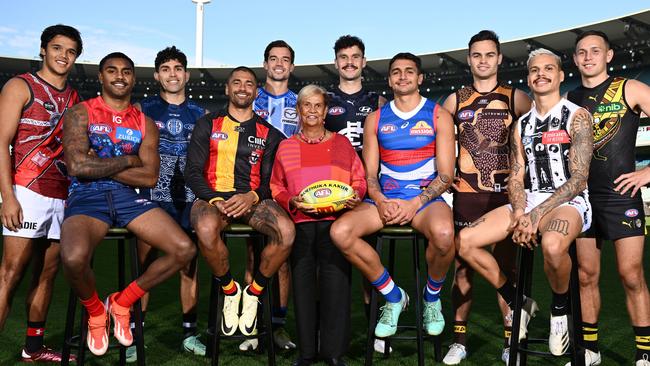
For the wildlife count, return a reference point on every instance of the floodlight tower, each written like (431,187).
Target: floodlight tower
(199,31)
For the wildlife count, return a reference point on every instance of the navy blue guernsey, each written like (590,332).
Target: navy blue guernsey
(347,113)
(175,123)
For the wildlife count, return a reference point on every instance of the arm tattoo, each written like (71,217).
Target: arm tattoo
(437,187)
(76,147)
(516,192)
(582,142)
(374,188)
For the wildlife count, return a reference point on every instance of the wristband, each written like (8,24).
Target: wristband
(257,198)
(212,201)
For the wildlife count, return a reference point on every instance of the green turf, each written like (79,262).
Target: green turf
(162,332)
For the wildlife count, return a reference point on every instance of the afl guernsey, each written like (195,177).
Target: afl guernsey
(37,157)
(546,142)
(175,123)
(111,134)
(483,123)
(279,110)
(407,149)
(347,113)
(615,127)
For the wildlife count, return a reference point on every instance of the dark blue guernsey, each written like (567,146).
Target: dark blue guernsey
(175,123)
(347,113)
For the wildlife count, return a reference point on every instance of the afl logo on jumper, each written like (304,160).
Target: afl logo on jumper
(219,136)
(388,128)
(100,128)
(160,125)
(336,111)
(466,115)
(262,113)
(175,126)
(632,212)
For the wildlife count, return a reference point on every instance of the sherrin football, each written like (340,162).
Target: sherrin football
(327,196)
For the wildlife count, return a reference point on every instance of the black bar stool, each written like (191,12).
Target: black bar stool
(216,301)
(121,235)
(524,286)
(393,233)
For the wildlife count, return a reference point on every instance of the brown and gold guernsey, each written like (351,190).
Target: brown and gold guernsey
(483,123)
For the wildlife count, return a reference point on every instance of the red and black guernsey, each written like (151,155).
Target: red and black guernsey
(226,157)
(37,158)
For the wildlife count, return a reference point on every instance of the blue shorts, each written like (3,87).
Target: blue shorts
(116,207)
(180,212)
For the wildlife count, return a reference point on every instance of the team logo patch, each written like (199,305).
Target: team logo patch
(388,128)
(390,184)
(220,136)
(555,137)
(365,109)
(100,128)
(128,134)
(466,115)
(526,140)
(262,113)
(175,126)
(49,106)
(632,212)
(422,128)
(336,111)
(254,158)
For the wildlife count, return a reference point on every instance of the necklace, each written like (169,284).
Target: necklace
(312,141)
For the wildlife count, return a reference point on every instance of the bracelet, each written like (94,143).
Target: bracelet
(257,198)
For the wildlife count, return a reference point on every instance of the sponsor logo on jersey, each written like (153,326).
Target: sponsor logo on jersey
(256,142)
(404,125)
(128,134)
(322,193)
(218,135)
(388,128)
(290,113)
(421,128)
(555,137)
(262,113)
(412,186)
(189,126)
(483,101)
(365,109)
(49,106)
(611,107)
(336,111)
(466,115)
(175,126)
(160,125)
(526,140)
(117,119)
(632,212)
(100,128)
(28,225)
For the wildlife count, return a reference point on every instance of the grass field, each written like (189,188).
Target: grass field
(162,332)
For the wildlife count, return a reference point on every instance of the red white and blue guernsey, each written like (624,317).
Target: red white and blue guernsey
(278,110)
(407,149)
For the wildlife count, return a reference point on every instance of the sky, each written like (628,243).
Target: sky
(237,31)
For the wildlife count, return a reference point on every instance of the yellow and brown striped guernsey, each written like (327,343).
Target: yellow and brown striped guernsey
(483,123)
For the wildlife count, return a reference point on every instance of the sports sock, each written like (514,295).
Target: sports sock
(507,292)
(590,336)
(132,319)
(507,331)
(279,316)
(432,290)
(560,304)
(642,342)
(460,332)
(387,287)
(189,325)
(132,293)
(258,285)
(228,284)
(93,305)
(34,338)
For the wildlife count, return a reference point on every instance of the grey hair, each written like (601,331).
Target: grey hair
(311,90)
(543,51)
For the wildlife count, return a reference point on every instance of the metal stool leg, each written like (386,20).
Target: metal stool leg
(69,328)
(121,283)
(216,304)
(267,312)
(578,354)
(372,321)
(418,300)
(524,270)
(137,307)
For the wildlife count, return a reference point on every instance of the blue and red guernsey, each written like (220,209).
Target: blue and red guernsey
(407,149)
(111,134)
(226,157)
(37,159)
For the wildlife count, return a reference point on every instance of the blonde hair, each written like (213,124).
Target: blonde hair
(543,51)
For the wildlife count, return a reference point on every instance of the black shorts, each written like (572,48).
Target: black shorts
(616,217)
(469,207)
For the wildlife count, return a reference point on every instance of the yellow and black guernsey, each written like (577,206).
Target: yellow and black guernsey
(226,157)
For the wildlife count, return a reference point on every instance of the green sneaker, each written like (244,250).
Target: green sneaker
(433,320)
(131,354)
(192,344)
(387,325)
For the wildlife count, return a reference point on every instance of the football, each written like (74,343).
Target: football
(327,196)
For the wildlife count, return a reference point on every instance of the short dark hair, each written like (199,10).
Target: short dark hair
(115,55)
(168,54)
(485,35)
(61,30)
(588,33)
(242,68)
(406,56)
(281,44)
(348,41)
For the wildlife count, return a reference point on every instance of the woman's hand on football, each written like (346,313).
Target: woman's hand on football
(298,203)
(353,201)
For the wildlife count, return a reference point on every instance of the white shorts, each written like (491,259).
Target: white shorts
(580,203)
(42,216)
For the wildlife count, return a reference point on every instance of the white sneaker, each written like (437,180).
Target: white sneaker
(455,354)
(380,346)
(249,345)
(644,362)
(528,311)
(505,356)
(248,317)
(230,318)
(591,358)
(558,337)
